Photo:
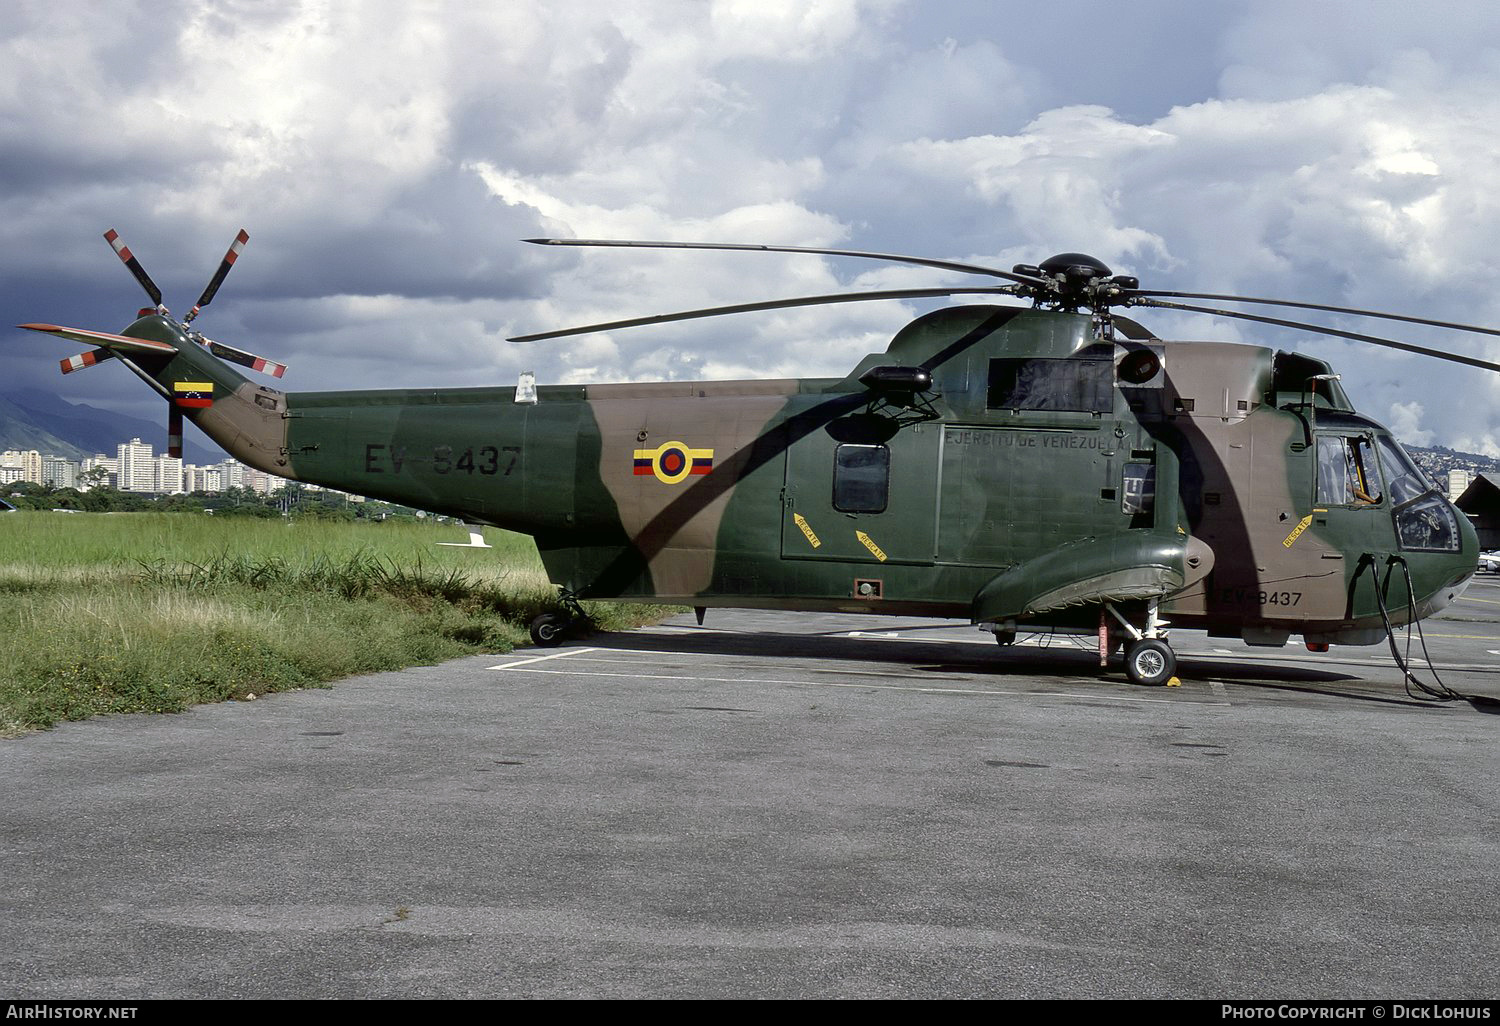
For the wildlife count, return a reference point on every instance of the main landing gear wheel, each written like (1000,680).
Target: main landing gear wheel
(1150,661)
(548,629)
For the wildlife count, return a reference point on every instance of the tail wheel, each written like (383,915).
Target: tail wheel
(548,629)
(1150,662)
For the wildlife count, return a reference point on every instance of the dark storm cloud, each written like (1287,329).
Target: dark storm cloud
(385,158)
(443,237)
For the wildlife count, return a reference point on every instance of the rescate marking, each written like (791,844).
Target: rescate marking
(1302,525)
(869,543)
(807,532)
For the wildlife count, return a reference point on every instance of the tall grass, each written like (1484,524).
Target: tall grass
(153,612)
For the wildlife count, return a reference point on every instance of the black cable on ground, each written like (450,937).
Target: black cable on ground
(1439,692)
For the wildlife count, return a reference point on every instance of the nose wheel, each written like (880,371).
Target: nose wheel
(1150,661)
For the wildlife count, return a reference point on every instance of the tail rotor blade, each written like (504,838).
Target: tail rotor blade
(129,260)
(88,359)
(235,248)
(244,359)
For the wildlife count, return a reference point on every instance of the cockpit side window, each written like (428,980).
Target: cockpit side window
(1348,474)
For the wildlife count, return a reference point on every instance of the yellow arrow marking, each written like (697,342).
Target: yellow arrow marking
(1302,524)
(867,542)
(812,539)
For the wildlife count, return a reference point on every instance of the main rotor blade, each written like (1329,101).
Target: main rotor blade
(128,259)
(774,304)
(1133,330)
(1316,306)
(235,248)
(946,265)
(1324,330)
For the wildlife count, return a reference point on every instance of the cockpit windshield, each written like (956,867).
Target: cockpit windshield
(1425,521)
(1405,478)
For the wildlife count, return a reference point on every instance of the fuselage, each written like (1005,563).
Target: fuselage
(1029,483)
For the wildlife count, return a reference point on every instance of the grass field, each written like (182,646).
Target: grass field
(148,612)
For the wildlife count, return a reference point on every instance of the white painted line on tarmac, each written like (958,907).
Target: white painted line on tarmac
(525,666)
(541,659)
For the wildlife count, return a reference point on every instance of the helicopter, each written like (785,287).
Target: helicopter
(1044,467)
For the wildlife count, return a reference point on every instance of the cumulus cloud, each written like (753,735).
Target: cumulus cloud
(386,157)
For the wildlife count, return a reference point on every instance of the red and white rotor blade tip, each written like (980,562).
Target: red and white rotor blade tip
(235,249)
(129,260)
(244,359)
(87,359)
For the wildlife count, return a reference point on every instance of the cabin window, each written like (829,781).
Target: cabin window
(861,478)
(1077,385)
(1140,489)
(1347,472)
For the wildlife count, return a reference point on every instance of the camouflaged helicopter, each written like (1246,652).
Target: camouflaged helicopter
(1051,467)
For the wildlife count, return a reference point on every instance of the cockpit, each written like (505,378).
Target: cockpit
(1362,466)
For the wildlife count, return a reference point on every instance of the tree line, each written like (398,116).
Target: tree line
(290,500)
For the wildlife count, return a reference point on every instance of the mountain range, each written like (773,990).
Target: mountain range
(33,418)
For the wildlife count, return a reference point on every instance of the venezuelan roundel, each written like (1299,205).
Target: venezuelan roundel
(673,462)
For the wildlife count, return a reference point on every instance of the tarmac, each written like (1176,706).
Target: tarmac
(778,805)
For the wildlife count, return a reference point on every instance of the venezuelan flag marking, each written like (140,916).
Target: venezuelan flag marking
(194,395)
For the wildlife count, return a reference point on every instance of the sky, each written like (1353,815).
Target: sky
(388,157)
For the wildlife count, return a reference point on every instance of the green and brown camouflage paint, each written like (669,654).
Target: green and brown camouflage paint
(721,493)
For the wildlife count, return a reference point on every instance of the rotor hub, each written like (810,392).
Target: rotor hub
(1074,267)
(1075,281)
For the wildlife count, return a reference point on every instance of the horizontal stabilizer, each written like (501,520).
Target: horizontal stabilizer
(119,343)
